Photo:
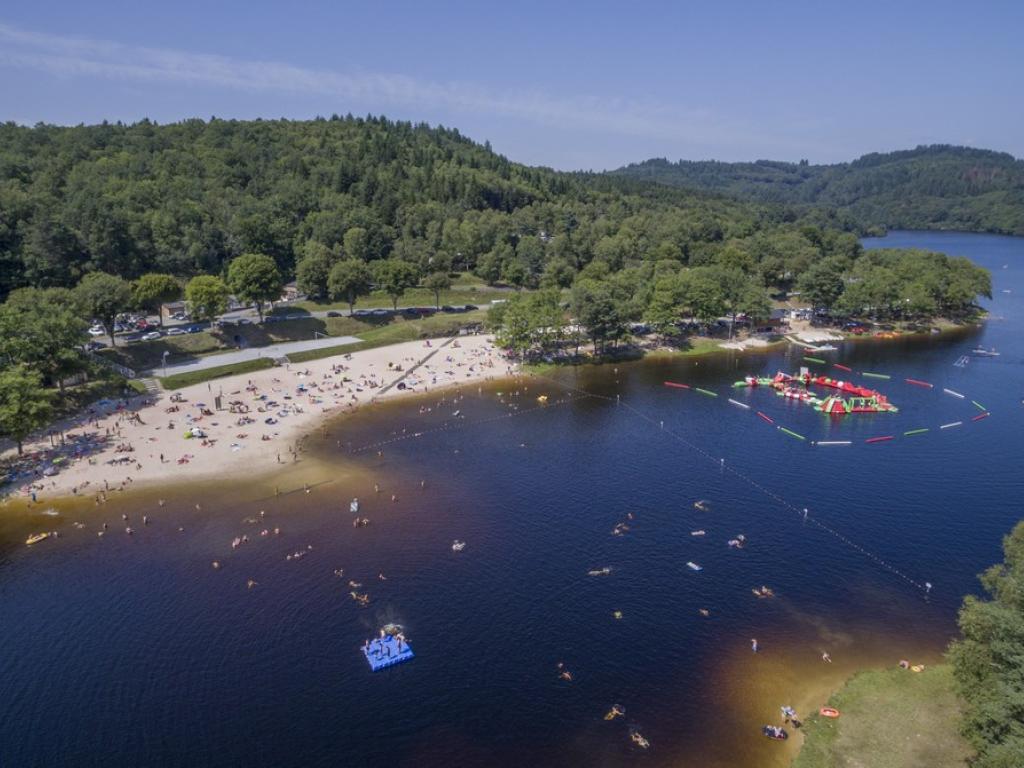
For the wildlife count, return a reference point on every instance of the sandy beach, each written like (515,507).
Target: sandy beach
(182,435)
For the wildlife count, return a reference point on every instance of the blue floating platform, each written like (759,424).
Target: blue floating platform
(386,652)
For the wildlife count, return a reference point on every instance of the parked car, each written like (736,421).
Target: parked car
(295,317)
(194,328)
(244,321)
(92,346)
(176,332)
(334,313)
(96,330)
(380,312)
(471,307)
(361,313)
(151,336)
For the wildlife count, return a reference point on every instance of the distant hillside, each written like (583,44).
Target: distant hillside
(934,187)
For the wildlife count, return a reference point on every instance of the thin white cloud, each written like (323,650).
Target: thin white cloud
(81,57)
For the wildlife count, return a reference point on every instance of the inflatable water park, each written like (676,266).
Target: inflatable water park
(836,396)
(797,387)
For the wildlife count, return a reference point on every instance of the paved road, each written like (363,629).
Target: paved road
(273,351)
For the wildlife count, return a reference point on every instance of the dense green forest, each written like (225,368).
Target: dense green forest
(932,187)
(186,198)
(988,661)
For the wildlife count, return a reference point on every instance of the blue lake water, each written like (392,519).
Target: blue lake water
(136,652)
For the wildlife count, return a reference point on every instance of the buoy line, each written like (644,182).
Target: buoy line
(804,513)
(985,413)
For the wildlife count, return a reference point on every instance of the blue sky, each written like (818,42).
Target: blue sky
(581,85)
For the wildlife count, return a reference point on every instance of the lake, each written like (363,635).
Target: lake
(131,651)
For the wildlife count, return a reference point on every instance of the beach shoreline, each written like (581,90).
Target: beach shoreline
(171,437)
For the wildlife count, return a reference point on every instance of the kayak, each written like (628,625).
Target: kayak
(828,712)
(693,566)
(35,538)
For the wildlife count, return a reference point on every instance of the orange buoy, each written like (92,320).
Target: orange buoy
(829,712)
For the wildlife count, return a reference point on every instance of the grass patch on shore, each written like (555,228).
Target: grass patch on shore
(179,380)
(395,332)
(891,718)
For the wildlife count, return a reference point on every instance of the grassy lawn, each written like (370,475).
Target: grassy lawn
(398,330)
(891,718)
(179,380)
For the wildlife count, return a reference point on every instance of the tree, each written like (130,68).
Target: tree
(207,297)
(701,295)
(313,269)
(254,278)
(349,279)
(357,244)
(104,297)
(595,308)
(152,290)
(662,312)
(988,661)
(42,329)
(394,277)
(822,284)
(437,282)
(24,405)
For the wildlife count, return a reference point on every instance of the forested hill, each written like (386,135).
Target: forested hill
(188,197)
(931,187)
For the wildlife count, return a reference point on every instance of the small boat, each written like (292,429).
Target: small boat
(762,592)
(775,732)
(693,566)
(353,506)
(828,712)
(600,571)
(702,505)
(542,399)
(35,538)
(982,352)
(826,348)
(698,533)
(458,546)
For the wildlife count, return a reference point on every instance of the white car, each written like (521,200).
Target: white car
(151,336)
(97,330)
(175,332)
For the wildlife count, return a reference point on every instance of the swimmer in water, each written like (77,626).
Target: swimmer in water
(753,644)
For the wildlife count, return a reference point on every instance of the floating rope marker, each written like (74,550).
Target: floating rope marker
(766,418)
(791,433)
(981,416)
(814,360)
(920,383)
(834,442)
(741,405)
(884,439)
(842,367)
(677,386)
(979,406)
(707,392)
(915,432)
(951,392)
(952,424)
(876,375)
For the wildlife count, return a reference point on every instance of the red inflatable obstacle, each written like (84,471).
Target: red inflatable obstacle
(676,385)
